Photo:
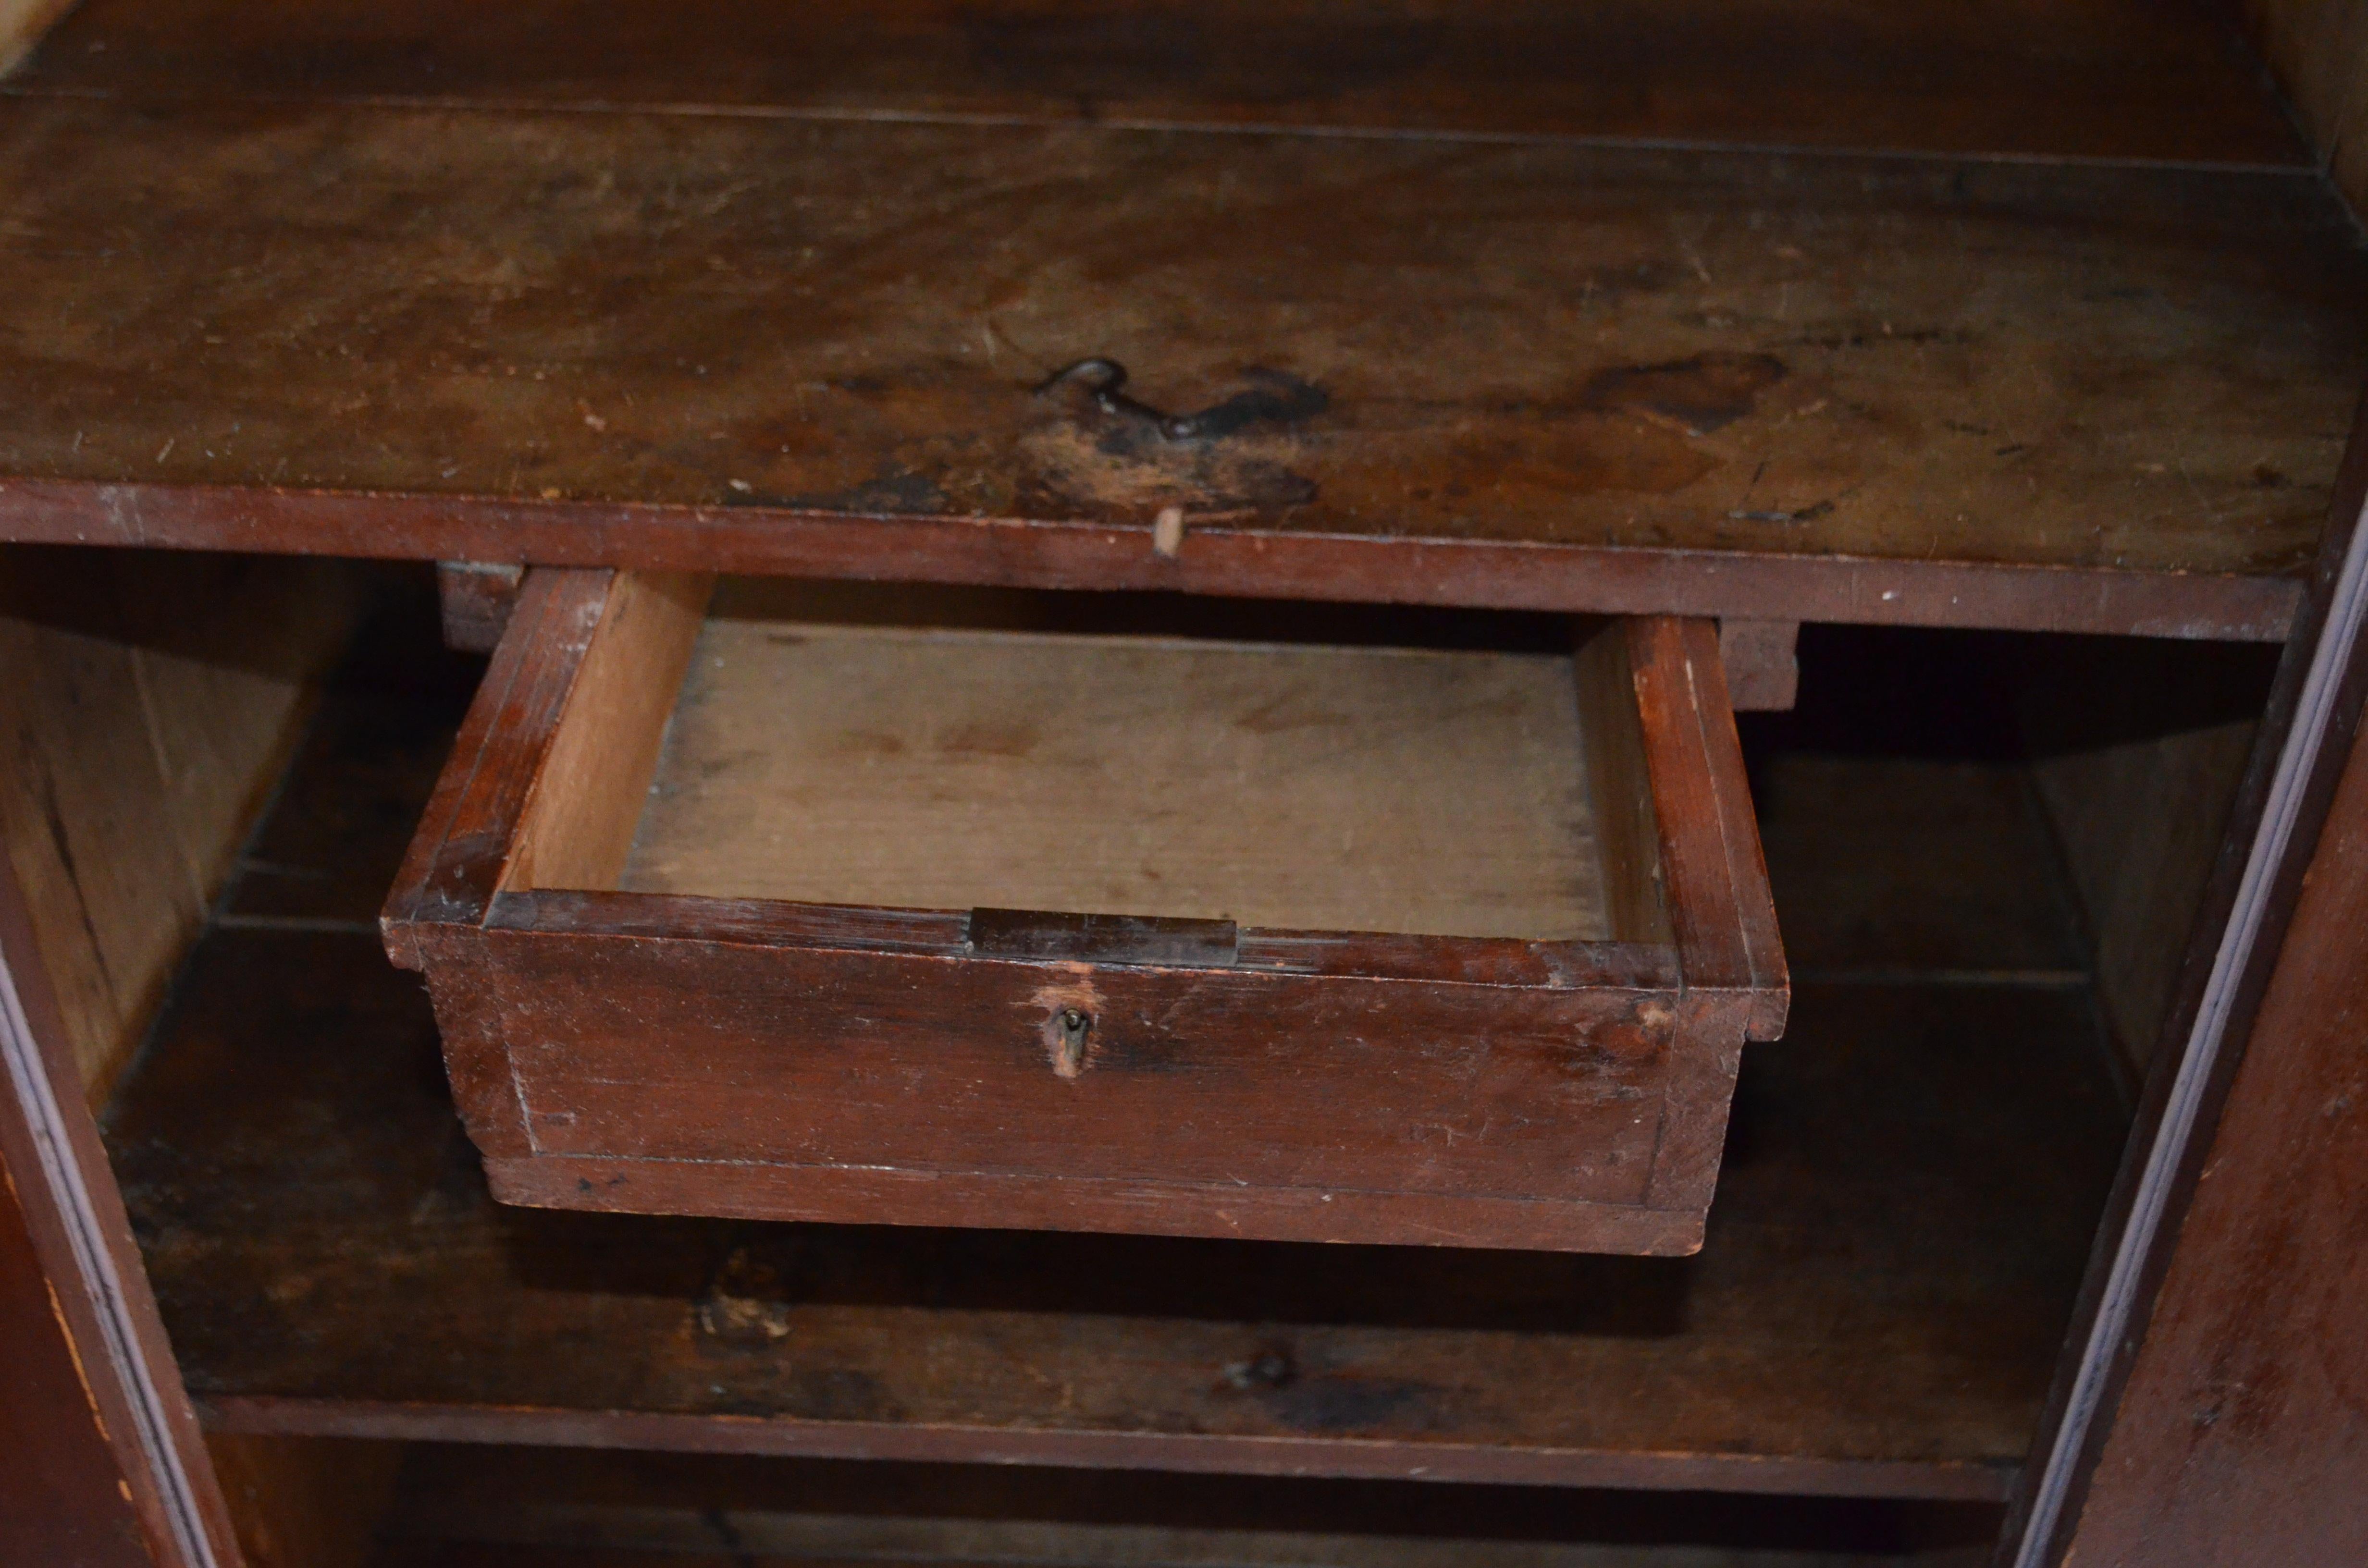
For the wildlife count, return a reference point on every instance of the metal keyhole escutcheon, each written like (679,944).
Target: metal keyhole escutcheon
(1070,1028)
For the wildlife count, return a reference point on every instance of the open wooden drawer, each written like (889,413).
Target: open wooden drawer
(727,909)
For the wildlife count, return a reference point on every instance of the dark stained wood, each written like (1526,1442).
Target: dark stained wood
(1908,1198)
(1613,580)
(808,1509)
(2270,974)
(2313,711)
(60,1496)
(478,597)
(2317,50)
(2100,78)
(1763,670)
(2142,746)
(854,1065)
(1759,385)
(84,1355)
(2248,1385)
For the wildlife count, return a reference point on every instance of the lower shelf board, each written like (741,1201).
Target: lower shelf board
(1911,1188)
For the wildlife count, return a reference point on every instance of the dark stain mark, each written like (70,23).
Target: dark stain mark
(2267,476)
(980,739)
(1275,397)
(841,1394)
(898,493)
(1272,1368)
(1285,712)
(870,743)
(727,1536)
(1353,1405)
(1918,338)
(1095,391)
(747,1301)
(1706,392)
(1117,55)
(54,819)
(1805,515)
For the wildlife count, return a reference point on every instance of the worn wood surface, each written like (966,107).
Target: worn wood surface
(2318,49)
(22,23)
(2312,710)
(2100,78)
(1905,1209)
(2141,746)
(1567,376)
(306,1501)
(874,1511)
(1762,669)
(88,1346)
(477,597)
(149,704)
(1867,1315)
(60,1498)
(593,781)
(1438,793)
(2227,1355)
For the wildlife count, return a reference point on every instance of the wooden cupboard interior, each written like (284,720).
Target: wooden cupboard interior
(1915,1168)
(2044,319)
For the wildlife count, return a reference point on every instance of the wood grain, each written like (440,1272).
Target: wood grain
(816,1508)
(22,23)
(2141,748)
(477,597)
(768,333)
(576,826)
(2246,1384)
(306,1501)
(93,1346)
(2099,78)
(152,704)
(1439,793)
(59,1497)
(2319,50)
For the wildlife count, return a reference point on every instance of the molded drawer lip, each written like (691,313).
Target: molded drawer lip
(763,1058)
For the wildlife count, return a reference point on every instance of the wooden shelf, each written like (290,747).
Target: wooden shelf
(274,288)
(1906,1206)
(2087,78)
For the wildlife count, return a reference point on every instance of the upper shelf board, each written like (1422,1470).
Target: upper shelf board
(1540,373)
(2055,78)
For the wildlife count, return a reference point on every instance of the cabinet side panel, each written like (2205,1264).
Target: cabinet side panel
(2318,51)
(59,1501)
(148,703)
(2242,1435)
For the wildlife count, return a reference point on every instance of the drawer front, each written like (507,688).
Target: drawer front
(673,1052)
(691,1051)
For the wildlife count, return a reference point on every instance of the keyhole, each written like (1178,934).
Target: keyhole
(1070,1026)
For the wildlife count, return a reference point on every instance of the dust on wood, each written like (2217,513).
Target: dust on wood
(1299,787)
